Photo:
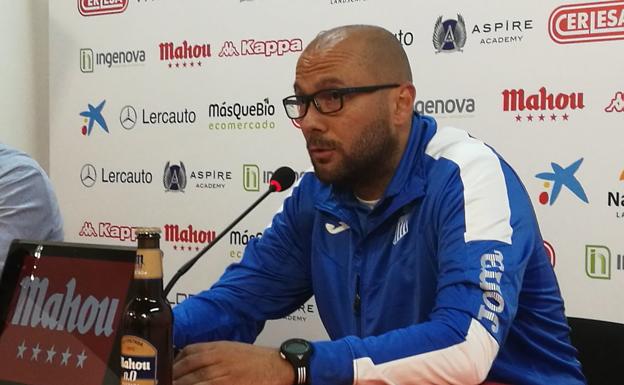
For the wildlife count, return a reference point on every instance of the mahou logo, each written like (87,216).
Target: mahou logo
(187,238)
(542,105)
(261,47)
(184,55)
(62,326)
(579,23)
(101,7)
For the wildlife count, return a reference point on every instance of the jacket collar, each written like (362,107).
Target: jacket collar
(407,183)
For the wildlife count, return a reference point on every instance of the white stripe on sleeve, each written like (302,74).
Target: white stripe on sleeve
(488,215)
(468,362)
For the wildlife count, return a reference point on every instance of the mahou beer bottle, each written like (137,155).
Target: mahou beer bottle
(146,342)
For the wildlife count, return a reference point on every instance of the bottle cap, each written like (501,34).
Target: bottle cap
(147,231)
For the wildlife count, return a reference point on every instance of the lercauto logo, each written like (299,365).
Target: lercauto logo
(449,35)
(597,262)
(91,116)
(101,7)
(561,177)
(580,23)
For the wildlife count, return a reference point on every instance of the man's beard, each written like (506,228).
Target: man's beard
(367,161)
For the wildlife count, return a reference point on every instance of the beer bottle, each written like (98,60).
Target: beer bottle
(146,343)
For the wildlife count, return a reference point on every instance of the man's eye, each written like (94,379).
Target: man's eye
(334,95)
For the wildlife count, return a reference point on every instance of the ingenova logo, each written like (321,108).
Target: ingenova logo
(598,262)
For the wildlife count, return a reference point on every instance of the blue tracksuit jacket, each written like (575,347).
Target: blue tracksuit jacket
(452,249)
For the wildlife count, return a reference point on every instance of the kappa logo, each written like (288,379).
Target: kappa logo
(266,48)
(333,229)
(617,103)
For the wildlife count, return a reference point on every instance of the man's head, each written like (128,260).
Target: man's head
(359,145)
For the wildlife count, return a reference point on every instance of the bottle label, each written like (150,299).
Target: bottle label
(138,361)
(148,264)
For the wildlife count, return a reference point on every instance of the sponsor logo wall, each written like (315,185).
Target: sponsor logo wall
(181,127)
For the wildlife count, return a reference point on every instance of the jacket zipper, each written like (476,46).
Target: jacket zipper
(357,305)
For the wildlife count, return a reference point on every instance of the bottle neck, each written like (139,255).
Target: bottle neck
(148,272)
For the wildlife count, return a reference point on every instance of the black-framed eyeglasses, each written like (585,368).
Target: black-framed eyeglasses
(325,101)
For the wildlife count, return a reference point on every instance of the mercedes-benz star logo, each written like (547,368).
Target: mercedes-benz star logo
(128,117)
(88,175)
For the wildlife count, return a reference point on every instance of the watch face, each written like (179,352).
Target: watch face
(296,347)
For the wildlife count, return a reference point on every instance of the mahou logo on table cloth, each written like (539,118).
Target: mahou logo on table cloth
(63,323)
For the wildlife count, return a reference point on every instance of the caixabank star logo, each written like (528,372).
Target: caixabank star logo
(559,178)
(91,116)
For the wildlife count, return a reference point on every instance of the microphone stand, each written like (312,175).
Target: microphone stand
(191,262)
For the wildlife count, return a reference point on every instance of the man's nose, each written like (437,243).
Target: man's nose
(313,120)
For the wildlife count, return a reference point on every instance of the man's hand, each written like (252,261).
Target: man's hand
(231,363)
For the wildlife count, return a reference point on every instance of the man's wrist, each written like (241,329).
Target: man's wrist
(297,352)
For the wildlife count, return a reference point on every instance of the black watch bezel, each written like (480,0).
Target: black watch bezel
(297,352)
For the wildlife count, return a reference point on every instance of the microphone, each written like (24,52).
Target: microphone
(282,179)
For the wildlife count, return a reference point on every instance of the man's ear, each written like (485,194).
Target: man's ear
(403,107)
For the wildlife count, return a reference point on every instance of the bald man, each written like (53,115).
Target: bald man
(418,242)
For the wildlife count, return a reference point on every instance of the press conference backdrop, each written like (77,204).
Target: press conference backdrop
(168,113)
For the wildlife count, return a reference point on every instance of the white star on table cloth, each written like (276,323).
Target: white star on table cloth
(81,359)
(21,349)
(66,356)
(35,353)
(51,353)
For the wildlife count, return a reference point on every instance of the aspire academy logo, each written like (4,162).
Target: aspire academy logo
(101,7)
(449,35)
(587,22)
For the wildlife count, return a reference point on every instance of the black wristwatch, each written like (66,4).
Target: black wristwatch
(298,351)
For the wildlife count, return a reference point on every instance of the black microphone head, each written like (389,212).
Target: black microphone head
(282,179)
